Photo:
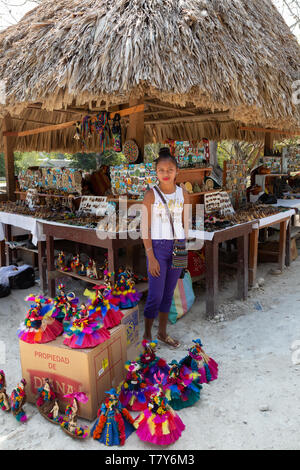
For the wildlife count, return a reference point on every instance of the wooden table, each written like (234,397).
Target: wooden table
(87,237)
(241,233)
(284,220)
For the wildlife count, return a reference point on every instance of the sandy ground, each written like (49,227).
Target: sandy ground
(254,404)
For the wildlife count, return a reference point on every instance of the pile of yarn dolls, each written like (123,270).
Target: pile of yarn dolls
(152,388)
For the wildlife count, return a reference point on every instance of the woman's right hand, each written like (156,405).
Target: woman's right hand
(153,266)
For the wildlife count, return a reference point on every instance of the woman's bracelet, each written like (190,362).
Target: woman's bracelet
(149,249)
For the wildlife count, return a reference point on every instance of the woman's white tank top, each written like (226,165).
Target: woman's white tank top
(161,228)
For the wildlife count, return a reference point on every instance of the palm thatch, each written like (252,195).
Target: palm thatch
(235,58)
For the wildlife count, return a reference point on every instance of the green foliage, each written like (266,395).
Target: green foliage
(92,161)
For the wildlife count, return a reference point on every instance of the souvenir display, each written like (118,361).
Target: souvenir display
(104,305)
(125,290)
(151,365)
(135,391)
(182,388)
(114,423)
(235,180)
(4,400)
(198,361)
(273,164)
(159,424)
(47,403)
(190,154)
(90,125)
(39,325)
(133,180)
(85,331)
(18,400)
(69,422)
(291,159)
(61,180)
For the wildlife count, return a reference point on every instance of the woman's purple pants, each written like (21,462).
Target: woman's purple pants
(161,289)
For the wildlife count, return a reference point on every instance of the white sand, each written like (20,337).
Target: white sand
(256,373)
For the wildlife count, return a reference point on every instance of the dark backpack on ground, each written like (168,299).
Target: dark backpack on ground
(4,291)
(22,280)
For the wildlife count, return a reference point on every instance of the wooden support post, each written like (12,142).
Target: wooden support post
(242,272)
(50,266)
(8,236)
(288,244)
(135,129)
(282,244)
(269,140)
(253,256)
(212,277)
(2,253)
(42,265)
(8,144)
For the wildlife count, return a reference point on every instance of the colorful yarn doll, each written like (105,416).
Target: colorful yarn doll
(135,391)
(75,264)
(159,423)
(61,260)
(39,325)
(85,331)
(65,305)
(151,364)
(47,403)
(18,400)
(105,306)
(199,361)
(117,133)
(114,423)
(125,291)
(69,422)
(182,388)
(4,400)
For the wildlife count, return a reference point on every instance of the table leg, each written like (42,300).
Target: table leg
(42,266)
(2,253)
(50,265)
(288,244)
(113,261)
(212,277)
(253,256)
(282,244)
(8,237)
(242,272)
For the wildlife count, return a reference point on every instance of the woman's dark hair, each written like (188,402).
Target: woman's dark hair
(165,154)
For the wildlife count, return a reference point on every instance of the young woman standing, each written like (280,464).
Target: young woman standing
(158,240)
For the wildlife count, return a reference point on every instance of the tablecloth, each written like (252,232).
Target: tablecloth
(25,222)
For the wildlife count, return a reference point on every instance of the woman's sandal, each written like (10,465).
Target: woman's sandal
(169,341)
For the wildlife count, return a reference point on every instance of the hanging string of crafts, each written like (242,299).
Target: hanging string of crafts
(99,124)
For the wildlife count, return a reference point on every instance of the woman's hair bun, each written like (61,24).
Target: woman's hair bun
(165,154)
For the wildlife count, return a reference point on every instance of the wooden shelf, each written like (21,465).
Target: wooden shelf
(24,193)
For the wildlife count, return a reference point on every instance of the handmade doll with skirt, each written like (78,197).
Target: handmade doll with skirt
(65,305)
(125,290)
(69,422)
(182,388)
(47,403)
(159,424)
(18,400)
(114,423)
(4,400)
(200,362)
(85,331)
(104,305)
(39,325)
(151,364)
(135,391)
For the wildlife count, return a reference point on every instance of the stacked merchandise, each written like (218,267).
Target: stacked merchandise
(133,180)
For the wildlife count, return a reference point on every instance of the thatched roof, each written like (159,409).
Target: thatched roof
(234,57)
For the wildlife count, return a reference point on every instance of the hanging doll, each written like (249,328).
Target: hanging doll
(151,364)
(104,305)
(182,388)
(47,403)
(69,422)
(117,133)
(125,291)
(86,331)
(159,423)
(200,362)
(18,400)
(4,400)
(135,391)
(39,325)
(114,423)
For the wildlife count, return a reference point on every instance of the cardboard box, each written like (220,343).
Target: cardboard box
(131,322)
(92,371)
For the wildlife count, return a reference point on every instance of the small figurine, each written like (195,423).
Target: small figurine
(47,403)
(89,268)
(135,391)
(159,423)
(4,400)
(86,331)
(104,306)
(82,270)
(61,260)
(151,364)
(198,361)
(69,423)
(18,400)
(182,388)
(65,305)
(75,263)
(125,290)
(114,423)
(39,325)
